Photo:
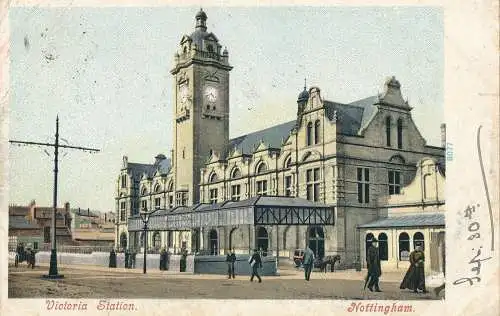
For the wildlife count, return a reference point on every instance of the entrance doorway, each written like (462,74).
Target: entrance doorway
(262,240)
(317,241)
(214,242)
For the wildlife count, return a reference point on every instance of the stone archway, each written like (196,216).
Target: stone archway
(213,242)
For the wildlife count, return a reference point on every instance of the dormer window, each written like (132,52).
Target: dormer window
(316,132)
(210,48)
(124,181)
(309,135)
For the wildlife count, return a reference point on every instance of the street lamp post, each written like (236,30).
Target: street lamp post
(145,216)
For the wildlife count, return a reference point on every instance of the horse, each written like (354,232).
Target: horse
(323,262)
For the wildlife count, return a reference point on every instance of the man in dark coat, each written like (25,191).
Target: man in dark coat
(163,259)
(230,260)
(373,264)
(415,276)
(308,262)
(112,259)
(127,259)
(256,263)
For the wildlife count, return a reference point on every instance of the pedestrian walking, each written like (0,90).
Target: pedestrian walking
(414,278)
(308,262)
(256,263)
(373,264)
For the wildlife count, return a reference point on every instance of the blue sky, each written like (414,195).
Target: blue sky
(105,71)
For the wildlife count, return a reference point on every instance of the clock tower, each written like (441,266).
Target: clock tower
(201,107)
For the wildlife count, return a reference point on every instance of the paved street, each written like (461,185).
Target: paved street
(98,282)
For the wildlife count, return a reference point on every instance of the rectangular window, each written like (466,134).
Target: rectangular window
(122,211)
(124,181)
(262,187)
(157,203)
(312,184)
(213,196)
(288,186)
(394,182)
(144,205)
(363,182)
(235,192)
(170,201)
(184,198)
(46,234)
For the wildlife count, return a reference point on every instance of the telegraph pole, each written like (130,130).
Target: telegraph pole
(53,273)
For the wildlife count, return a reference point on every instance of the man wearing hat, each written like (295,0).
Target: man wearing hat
(256,263)
(373,264)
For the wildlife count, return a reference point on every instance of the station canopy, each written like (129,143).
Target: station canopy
(259,210)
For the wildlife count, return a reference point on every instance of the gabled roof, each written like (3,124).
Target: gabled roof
(138,169)
(353,117)
(420,220)
(272,137)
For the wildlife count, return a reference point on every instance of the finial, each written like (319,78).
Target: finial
(305,84)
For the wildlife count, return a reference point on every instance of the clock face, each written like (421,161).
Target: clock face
(211,94)
(184,92)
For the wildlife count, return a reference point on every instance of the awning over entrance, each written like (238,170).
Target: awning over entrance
(259,210)
(419,220)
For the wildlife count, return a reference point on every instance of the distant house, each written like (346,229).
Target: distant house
(32,224)
(92,228)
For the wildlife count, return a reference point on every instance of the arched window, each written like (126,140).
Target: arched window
(156,240)
(288,162)
(316,132)
(157,188)
(236,173)
(400,133)
(317,241)
(212,178)
(261,168)
(144,191)
(418,240)
(368,242)
(184,50)
(404,247)
(214,242)
(388,131)
(170,186)
(309,134)
(123,240)
(262,240)
(232,235)
(383,247)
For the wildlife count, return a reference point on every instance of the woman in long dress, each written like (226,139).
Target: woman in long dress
(415,276)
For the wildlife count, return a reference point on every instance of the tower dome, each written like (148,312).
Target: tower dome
(201,15)
(303,96)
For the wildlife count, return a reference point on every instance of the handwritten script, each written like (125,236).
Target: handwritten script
(474,227)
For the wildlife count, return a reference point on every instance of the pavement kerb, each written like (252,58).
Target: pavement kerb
(284,274)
